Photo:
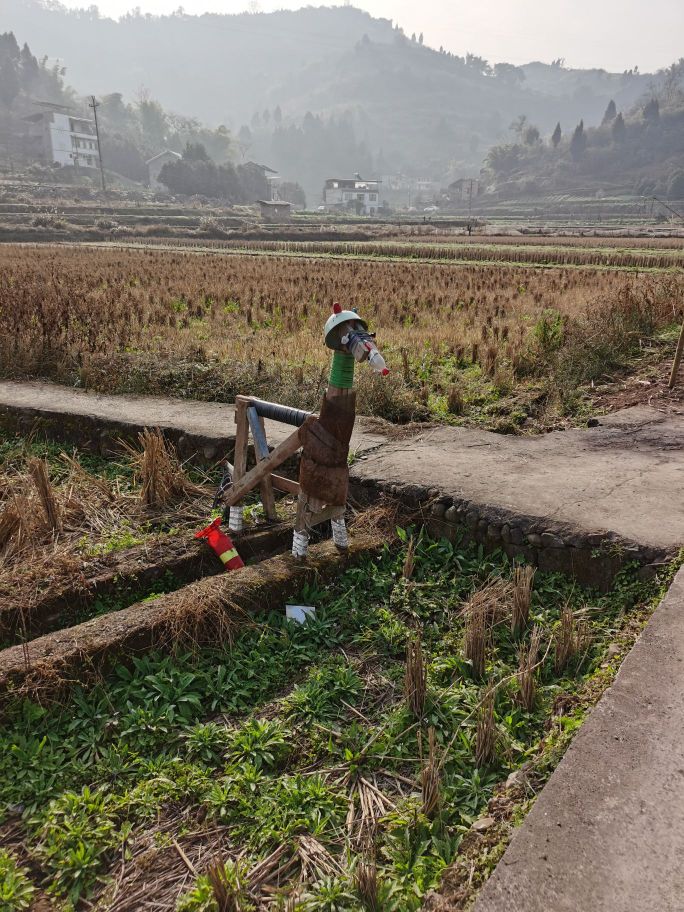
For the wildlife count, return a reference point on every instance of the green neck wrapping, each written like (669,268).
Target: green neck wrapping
(342,370)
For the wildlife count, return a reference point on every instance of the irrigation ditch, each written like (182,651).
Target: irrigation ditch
(171,742)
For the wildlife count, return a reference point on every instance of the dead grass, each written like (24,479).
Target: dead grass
(212,326)
(430,779)
(485,733)
(527,684)
(56,535)
(415,678)
(522,597)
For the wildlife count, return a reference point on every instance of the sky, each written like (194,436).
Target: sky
(612,34)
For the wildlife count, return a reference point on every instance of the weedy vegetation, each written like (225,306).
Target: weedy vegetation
(335,765)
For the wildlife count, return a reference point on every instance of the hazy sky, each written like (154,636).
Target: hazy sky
(613,34)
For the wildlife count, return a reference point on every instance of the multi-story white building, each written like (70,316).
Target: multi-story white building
(355,194)
(66,139)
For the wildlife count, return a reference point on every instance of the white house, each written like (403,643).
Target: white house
(156,163)
(65,138)
(355,194)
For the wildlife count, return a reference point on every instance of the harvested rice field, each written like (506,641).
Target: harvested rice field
(352,762)
(82,535)
(512,347)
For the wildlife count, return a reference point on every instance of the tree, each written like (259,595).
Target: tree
(531,136)
(619,129)
(578,143)
(610,115)
(519,125)
(28,69)
(292,192)
(153,122)
(420,38)
(651,111)
(195,152)
(557,135)
(277,116)
(511,75)
(9,83)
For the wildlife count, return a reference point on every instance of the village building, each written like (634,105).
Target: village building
(155,165)
(352,194)
(275,210)
(57,136)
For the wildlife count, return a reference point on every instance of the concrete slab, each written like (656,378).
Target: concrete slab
(607,833)
(625,476)
(199,420)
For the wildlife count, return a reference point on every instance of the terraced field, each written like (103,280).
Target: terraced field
(342,764)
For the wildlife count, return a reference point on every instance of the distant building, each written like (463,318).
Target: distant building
(275,210)
(464,189)
(156,163)
(355,194)
(271,177)
(58,136)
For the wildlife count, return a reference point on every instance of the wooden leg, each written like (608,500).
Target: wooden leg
(256,423)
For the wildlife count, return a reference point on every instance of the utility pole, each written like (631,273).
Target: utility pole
(95,105)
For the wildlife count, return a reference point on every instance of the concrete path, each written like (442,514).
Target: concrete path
(201,420)
(607,832)
(625,476)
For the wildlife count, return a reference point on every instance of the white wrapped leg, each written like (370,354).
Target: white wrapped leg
(300,543)
(339,533)
(236,521)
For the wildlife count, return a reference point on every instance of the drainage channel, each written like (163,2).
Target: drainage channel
(143,572)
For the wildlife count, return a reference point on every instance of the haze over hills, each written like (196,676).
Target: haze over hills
(320,89)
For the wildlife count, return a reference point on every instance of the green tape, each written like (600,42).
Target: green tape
(342,370)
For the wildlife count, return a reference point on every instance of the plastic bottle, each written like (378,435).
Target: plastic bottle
(364,349)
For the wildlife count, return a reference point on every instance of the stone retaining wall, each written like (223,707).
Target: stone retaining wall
(593,558)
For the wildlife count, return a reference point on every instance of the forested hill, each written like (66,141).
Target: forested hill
(405,106)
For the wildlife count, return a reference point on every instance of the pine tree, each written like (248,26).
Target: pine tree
(618,129)
(557,135)
(578,143)
(610,115)
(651,112)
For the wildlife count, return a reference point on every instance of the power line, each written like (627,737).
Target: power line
(95,105)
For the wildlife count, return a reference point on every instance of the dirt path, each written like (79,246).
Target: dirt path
(625,476)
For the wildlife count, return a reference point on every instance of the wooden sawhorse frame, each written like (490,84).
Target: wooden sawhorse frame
(249,418)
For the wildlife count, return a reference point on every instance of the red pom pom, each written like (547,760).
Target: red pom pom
(337,308)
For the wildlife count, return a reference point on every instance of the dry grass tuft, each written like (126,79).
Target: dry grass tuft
(409,560)
(430,779)
(571,638)
(53,515)
(227,896)
(366,882)
(522,597)
(485,734)
(455,400)
(10,524)
(161,474)
(415,678)
(527,685)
